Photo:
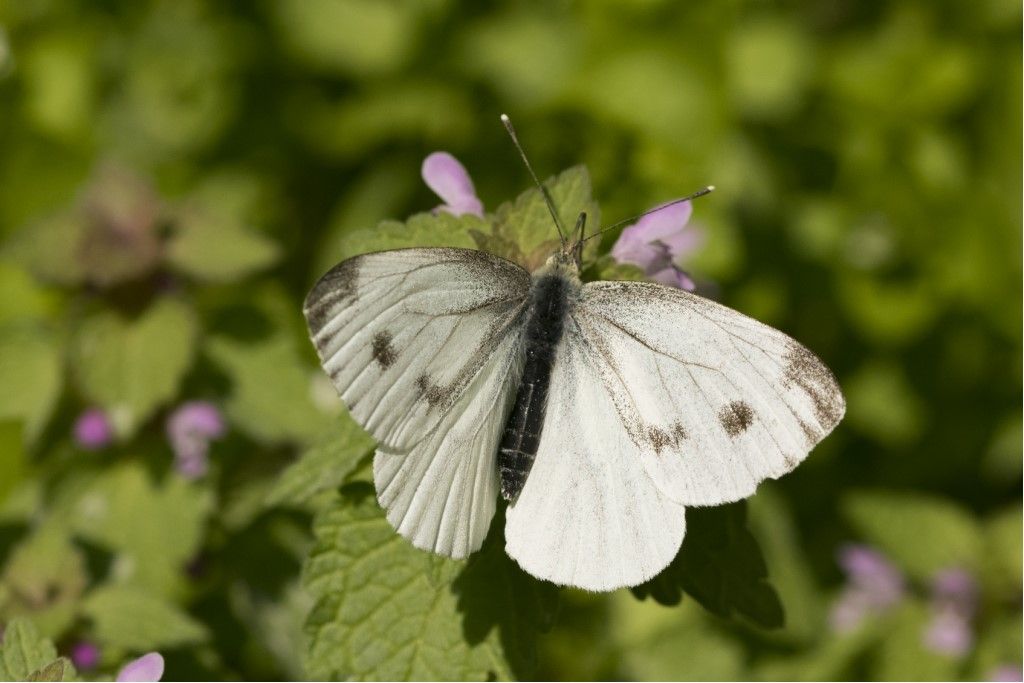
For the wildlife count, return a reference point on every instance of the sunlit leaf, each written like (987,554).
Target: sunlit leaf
(923,534)
(137,620)
(132,367)
(527,223)
(43,578)
(153,529)
(387,611)
(271,388)
(30,374)
(212,247)
(54,671)
(324,466)
(24,651)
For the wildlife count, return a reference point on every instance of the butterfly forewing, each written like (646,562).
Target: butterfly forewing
(402,334)
(714,402)
(441,495)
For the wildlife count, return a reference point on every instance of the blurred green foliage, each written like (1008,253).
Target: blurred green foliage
(175,175)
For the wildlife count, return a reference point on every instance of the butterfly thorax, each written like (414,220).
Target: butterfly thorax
(553,293)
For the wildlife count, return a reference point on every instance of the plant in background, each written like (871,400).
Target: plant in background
(161,217)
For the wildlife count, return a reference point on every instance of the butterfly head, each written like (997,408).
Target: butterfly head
(570,254)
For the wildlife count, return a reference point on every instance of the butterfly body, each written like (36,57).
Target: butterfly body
(552,295)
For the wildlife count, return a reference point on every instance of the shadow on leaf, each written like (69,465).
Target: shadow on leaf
(720,566)
(493,592)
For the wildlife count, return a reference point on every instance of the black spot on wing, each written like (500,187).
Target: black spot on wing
(337,284)
(736,418)
(383,352)
(431,392)
(663,438)
(805,370)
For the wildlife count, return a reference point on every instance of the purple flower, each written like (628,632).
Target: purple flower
(85,655)
(657,241)
(93,430)
(956,588)
(449,180)
(873,586)
(190,429)
(954,602)
(148,667)
(1006,672)
(948,633)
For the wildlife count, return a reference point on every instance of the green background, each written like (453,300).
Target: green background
(868,165)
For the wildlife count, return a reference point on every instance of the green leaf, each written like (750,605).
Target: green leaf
(24,297)
(387,611)
(30,374)
(348,36)
(210,246)
(131,368)
(721,566)
(135,619)
(323,467)
(440,229)
(902,655)
(682,643)
(54,671)
(43,578)
(155,530)
(527,224)
(884,405)
(49,248)
(271,396)
(606,268)
(1002,566)
(775,528)
(495,594)
(922,534)
(24,651)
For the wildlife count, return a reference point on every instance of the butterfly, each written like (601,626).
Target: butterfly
(598,410)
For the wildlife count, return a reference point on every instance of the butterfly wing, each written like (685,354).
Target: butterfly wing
(714,402)
(423,346)
(659,399)
(403,333)
(589,515)
(441,495)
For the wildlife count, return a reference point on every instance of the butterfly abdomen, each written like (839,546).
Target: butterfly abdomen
(549,306)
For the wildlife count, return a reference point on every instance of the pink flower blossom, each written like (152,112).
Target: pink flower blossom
(874,585)
(1006,672)
(948,633)
(449,180)
(148,667)
(954,602)
(93,430)
(656,243)
(85,655)
(190,429)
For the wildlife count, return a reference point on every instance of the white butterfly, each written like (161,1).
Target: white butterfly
(598,410)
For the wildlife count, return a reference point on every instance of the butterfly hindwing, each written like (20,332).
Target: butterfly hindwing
(589,515)
(403,333)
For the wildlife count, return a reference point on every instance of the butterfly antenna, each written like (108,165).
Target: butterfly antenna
(699,193)
(543,190)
